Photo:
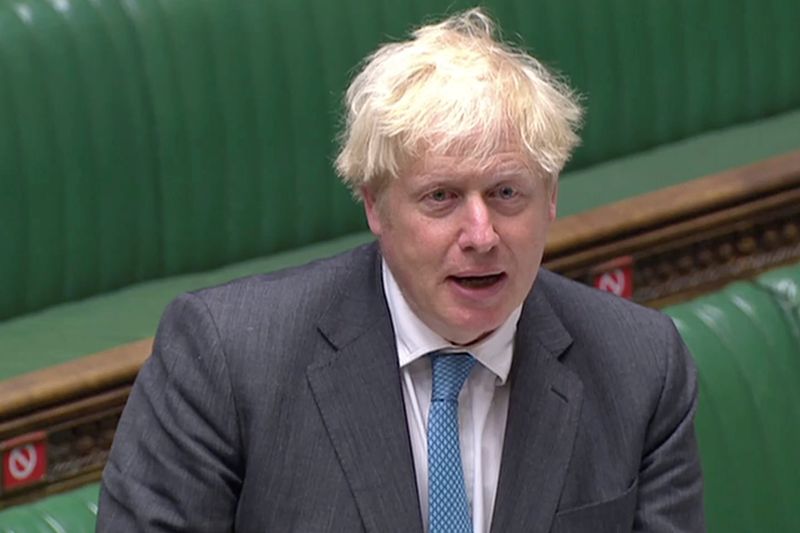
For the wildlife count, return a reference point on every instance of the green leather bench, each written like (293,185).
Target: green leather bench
(150,147)
(149,140)
(746,342)
(71,512)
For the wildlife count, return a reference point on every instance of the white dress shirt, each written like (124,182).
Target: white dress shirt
(482,404)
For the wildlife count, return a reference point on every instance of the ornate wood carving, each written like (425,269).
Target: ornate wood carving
(59,422)
(687,239)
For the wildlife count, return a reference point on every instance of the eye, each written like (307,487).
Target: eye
(511,197)
(438,202)
(440,195)
(506,192)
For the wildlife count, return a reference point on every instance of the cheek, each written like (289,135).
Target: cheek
(527,241)
(425,256)
(426,237)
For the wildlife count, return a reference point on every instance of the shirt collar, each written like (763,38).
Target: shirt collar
(415,339)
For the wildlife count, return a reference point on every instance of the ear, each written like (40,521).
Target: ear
(371,210)
(553,203)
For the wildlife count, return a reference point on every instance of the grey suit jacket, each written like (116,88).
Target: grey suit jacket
(273,403)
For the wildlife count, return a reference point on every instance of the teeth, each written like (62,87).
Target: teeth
(479,281)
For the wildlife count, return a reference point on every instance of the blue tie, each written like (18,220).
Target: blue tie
(447,494)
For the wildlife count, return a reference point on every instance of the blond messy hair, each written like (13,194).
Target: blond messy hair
(454,89)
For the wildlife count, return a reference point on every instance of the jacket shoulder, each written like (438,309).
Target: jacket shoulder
(306,286)
(580,306)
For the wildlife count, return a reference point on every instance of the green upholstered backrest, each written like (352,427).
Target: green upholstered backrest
(71,512)
(784,285)
(746,343)
(145,138)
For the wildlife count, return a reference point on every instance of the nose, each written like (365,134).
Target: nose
(478,232)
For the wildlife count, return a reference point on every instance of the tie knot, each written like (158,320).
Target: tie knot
(450,371)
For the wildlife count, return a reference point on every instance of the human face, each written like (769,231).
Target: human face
(463,241)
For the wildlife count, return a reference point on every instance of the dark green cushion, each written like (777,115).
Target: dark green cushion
(150,138)
(71,512)
(784,285)
(748,356)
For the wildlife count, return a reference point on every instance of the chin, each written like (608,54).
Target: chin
(473,329)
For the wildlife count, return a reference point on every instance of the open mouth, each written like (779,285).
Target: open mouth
(478,282)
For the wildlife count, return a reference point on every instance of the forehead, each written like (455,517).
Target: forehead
(503,164)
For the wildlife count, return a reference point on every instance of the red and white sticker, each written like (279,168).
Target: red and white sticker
(24,461)
(616,277)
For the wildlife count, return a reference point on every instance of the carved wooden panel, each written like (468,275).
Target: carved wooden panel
(57,425)
(689,239)
(673,269)
(71,452)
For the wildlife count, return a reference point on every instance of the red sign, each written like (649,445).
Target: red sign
(24,460)
(616,277)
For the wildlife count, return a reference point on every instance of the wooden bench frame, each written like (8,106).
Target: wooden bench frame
(658,248)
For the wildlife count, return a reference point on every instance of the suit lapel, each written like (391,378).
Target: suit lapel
(543,414)
(358,393)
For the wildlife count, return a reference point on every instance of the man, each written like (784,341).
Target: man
(434,381)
